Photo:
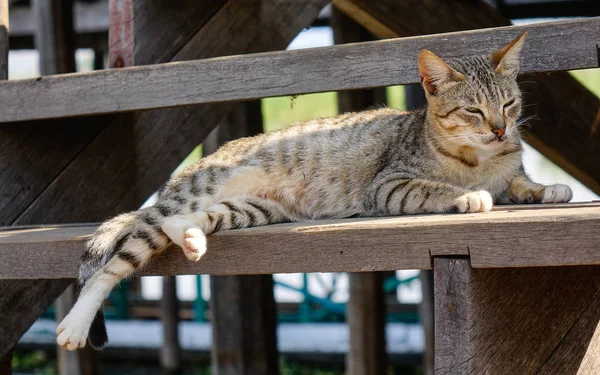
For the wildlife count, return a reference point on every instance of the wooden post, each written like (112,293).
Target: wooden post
(516,320)
(54,35)
(170,354)
(68,361)
(3,39)
(242,307)
(6,358)
(366,307)
(415,98)
(63,178)
(54,39)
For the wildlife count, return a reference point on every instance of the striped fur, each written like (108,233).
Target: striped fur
(458,154)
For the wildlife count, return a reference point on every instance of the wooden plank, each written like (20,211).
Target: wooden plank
(516,321)
(366,310)
(32,158)
(165,137)
(242,307)
(451,289)
(573,150)
(55,42)
(551,46)
(512,238)
(54,35)
(22,303)
(124,163)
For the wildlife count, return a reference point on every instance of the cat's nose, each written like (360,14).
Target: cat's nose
(499,132)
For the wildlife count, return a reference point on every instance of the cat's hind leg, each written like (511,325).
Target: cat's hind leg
(187,235)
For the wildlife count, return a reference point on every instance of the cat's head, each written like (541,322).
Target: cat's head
(474,101)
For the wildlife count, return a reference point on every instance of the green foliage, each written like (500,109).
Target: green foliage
(34,362)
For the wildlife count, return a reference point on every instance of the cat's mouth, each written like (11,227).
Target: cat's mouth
(494,140)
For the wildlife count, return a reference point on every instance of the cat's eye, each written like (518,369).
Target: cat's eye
(474,110)
(508,104)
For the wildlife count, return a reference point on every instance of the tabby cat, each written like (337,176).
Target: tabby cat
(460,153)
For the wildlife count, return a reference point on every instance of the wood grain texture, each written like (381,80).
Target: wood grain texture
(556,236)
(54,35)
(5,354)
(366,316)
(516,321)
(3,39)
(170,351)
(134,40)
(551,46)
(34,158)
(451,290)
(242,307)
(130,159)
(560,102)
(366,310)
(21,303)
(244,337)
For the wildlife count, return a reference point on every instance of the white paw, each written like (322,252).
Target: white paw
(195,244)
(557,194)
(72,332)
(478,201)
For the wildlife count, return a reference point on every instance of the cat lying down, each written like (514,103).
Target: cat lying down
(460,153)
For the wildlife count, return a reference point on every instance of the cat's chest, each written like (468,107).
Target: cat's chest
(493,176)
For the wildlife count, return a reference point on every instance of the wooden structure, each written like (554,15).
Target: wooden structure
(516,290)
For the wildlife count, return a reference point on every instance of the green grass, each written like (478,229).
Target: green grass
(590,78)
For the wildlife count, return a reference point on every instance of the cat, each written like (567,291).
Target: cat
(460,153)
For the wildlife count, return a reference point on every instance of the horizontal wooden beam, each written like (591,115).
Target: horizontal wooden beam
(552,46)
(510,236)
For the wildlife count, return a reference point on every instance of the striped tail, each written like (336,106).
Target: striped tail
(118,248)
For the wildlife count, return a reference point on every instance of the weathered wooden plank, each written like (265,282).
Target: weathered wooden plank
(558,100)
(243,307)
(55,42)
(31,160)
(451,289)
(54,35)
(164,138)
(516,321)
(126,162)
(551,46)
(507,238)
(22,302)
(133,40)
(366,306)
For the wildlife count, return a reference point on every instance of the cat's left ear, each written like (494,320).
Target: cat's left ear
(506,59)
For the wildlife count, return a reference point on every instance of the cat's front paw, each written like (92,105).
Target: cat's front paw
(72,332)
(477,201)
(557,194)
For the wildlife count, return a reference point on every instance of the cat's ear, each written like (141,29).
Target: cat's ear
(506,59)
(435,73)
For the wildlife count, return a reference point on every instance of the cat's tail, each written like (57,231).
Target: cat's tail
(119,247)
